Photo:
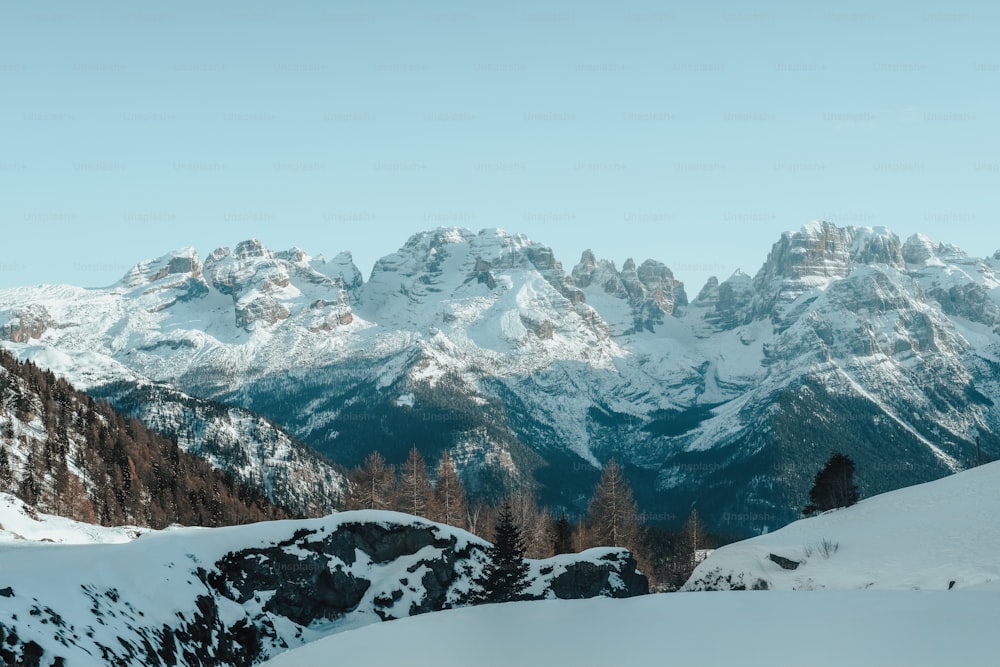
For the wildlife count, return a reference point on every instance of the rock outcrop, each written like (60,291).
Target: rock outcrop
(238,596)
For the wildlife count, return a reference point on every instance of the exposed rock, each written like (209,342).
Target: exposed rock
(784,563)
(263,284)
(650,289)
(26,324)
(586,579)
(729,304)
(812,258)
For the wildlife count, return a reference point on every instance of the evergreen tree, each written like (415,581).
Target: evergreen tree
(449,495)
(834,486)
(505,574)
(371,485)
(562,542)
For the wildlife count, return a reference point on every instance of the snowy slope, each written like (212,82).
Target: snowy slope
(22,522)
(236,595)
(829,629)
(935,536)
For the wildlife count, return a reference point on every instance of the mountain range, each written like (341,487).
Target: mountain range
(532,376)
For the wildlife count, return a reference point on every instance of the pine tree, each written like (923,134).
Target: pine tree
(371,485)
(562,542)
(505,574)
(6,474)
(414,494)
(449,495)
(613,513)
(834,486)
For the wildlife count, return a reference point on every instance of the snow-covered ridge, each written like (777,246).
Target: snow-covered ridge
(23,524)
(941,535)
(235,596)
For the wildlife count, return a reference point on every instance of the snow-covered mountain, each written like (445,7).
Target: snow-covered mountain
(483,344)
(941,535)
(238,595)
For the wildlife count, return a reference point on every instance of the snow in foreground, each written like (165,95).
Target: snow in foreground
(939,535)
(747,629)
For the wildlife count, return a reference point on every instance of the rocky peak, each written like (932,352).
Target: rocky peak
(600,273)
(183,262)
(813,257)
(877,245)
(267,287)
(340,267)
(251,248)
(709,294)
(919,250)
(650,288)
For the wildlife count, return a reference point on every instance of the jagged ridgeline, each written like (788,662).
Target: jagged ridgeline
(532,375)
(67,454)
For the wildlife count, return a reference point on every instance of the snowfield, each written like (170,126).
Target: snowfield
(935,536)
(756,629)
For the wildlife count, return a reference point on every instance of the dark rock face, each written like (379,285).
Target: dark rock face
(592,579)
(784,563)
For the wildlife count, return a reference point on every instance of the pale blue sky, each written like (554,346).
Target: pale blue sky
(691,134)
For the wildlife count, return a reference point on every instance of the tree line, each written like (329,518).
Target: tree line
(612,519)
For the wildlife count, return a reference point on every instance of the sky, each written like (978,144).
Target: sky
(694,135)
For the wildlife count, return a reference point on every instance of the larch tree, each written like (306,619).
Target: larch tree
(450,504)
(613,513)
(692,539)
(371,485)
(414,494)
(535,524)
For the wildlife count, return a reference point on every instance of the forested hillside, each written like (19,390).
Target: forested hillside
(65,453)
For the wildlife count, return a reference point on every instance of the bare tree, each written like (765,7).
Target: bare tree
(414,494)
(692,540)
(535,524)
(371,485)
(450,504)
